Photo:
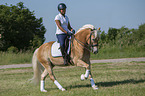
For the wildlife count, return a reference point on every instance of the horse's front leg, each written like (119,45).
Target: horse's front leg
(87,74)
(85,65)
(92,82)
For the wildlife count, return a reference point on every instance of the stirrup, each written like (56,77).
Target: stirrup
(65,62)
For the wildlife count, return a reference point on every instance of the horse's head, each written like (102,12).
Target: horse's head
(93,40)
(92,37)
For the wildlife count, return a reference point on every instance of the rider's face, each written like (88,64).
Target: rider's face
(62,11)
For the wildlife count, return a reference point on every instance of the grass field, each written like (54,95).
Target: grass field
(117,52)
(8,58)
(113,79)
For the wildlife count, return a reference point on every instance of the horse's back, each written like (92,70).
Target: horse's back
(46,45)
(44,50)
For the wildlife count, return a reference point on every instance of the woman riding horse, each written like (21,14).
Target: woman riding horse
(80,56)
(63,29)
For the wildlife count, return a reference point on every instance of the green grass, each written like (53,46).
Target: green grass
(117,52)
(7,58)
(113,79)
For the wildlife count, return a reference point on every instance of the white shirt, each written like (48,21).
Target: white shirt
(64,23)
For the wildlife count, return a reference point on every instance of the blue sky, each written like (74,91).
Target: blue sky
(100,13)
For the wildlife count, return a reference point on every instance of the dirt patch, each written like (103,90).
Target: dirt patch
(92,61)
(16,71)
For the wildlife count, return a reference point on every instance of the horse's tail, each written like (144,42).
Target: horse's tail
(36,68)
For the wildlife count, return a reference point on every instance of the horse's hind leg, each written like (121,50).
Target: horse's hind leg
(54,80)
(45,63)
(42,83)
(48,69)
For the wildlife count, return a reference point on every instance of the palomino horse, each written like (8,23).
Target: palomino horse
(84,41)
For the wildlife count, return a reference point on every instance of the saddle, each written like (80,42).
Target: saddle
(55,49)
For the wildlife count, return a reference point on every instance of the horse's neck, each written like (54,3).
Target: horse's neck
(79,48)
(79,41)
(82,35)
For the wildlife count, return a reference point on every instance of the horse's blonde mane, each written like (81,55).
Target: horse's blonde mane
(97,33)
(86,26)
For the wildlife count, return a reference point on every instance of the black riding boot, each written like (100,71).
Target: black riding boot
(64,55)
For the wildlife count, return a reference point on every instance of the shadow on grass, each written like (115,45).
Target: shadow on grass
(113,83)
(109,84)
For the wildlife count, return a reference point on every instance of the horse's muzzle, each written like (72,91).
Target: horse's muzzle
(95,50)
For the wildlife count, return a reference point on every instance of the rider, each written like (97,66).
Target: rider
(63,29)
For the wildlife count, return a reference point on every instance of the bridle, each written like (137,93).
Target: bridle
(89,47)
(93,40)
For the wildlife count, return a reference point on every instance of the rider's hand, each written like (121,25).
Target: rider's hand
(73,31)
(69,33)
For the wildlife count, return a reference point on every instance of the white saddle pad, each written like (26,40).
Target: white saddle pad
(55,49)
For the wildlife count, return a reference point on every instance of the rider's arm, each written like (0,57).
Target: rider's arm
(69,27)
(59,26)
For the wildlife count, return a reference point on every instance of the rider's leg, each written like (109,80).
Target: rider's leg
(61,38)
(63,54)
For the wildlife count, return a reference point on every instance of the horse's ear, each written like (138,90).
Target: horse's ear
(98,33)
(99,28)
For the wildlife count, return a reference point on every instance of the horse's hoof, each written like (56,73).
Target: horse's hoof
(43,90)
(95,87)
(62,89)
(82,77)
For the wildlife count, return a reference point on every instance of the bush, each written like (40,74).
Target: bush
(13,49)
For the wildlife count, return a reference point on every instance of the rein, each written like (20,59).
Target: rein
(81,43)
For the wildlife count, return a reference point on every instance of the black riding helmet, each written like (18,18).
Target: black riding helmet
(61,6)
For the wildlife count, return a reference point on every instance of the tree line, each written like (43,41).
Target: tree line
(21,30)
(124,37)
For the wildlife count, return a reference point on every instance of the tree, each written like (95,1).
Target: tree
(1,36)
(103,36)
(112,33)
(138,35)
(20,28)
(141,32)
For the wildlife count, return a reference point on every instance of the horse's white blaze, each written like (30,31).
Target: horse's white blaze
(95,32)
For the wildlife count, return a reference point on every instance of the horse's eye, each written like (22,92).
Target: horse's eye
(93,39)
